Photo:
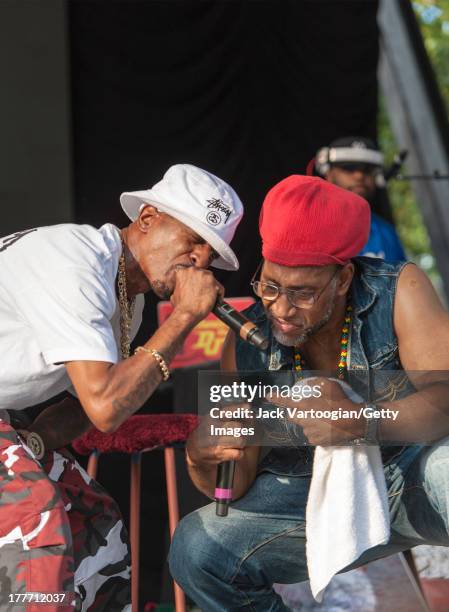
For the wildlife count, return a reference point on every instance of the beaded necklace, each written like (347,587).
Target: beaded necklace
(342,362)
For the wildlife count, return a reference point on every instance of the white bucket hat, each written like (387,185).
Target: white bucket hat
(200,200)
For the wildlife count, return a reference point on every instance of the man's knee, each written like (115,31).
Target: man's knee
(185,550)
(437,454)
(196,550)
(435,474)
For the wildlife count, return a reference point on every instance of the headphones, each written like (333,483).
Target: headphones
(334,155)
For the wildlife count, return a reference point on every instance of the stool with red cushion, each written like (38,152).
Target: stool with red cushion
(137,435)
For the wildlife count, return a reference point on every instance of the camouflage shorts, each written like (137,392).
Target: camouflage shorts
(60,532)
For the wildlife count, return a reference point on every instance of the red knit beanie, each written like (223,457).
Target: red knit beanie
(307,221)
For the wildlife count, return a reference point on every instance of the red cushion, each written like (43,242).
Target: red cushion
(139,432)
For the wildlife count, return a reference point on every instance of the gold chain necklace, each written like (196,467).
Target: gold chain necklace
(126,307)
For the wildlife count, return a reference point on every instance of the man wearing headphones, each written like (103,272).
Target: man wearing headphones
(355,164)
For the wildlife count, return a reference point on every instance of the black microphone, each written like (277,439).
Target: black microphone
(393,170)
(223,487)
(240,324)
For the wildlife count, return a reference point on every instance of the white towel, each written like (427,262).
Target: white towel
(347,508)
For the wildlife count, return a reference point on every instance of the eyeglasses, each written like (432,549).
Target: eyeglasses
(298,298)
(369,169)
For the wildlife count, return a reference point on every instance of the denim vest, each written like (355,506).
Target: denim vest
(372,353)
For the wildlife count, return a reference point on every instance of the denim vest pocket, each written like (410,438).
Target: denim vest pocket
(386,358)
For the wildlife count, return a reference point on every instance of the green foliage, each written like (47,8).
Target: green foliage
(410,226)
(433,19)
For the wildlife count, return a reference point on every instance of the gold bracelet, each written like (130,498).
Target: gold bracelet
(160,361)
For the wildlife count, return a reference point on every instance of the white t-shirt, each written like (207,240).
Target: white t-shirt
(57,303)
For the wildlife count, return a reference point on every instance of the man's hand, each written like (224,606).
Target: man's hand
(203,457)
(196,292)
(320,431)
(205,450)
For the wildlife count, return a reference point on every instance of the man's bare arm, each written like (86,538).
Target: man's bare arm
(110,393)
(422,327)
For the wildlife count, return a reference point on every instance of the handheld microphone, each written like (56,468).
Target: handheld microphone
(223,487)
(240,324)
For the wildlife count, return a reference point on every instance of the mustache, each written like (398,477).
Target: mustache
(271,317)
(179,267)
(160,287)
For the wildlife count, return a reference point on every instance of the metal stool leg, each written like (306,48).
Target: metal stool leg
(410,561)
(136,468)
(92,464)
(173,515)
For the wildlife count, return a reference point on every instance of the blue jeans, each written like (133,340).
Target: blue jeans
(230,563)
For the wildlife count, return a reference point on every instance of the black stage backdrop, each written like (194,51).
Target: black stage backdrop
(246,89)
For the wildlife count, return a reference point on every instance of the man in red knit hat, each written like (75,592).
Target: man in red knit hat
(366,321)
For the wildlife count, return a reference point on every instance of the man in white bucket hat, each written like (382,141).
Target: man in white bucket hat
(201,201)
(71,302)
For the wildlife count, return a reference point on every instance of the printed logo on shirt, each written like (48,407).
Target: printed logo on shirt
(218,207)
(10,240)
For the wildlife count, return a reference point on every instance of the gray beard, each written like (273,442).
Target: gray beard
(160,289)
(302,338)
(298,340)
